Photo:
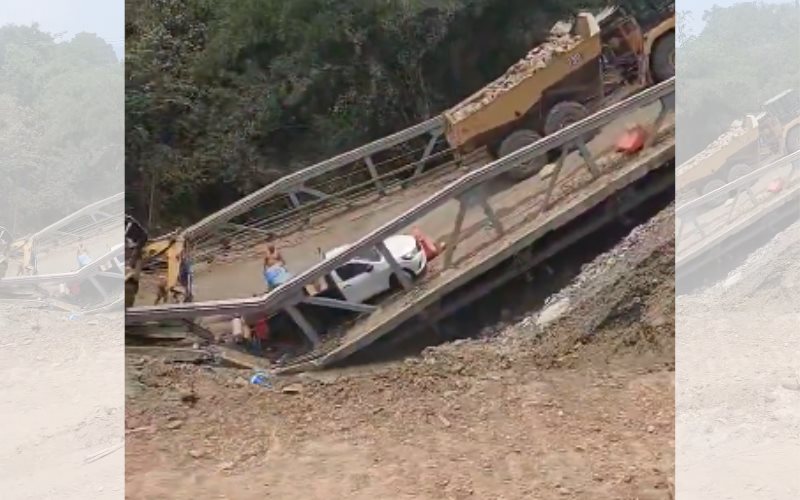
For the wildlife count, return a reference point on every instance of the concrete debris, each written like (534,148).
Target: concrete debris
(292,389)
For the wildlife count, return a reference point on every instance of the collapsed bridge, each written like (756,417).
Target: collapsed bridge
(495,230)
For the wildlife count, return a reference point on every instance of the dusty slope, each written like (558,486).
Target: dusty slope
(738,392)
(530,413)
(61,405)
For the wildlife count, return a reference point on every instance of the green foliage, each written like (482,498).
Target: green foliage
(59,137)
(746,54)
(224,97)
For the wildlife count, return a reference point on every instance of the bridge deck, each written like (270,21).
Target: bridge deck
(524,224)
(727,226)
(238,275)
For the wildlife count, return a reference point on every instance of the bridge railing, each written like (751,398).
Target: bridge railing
(110,266)
(469,190)
(701,219)
(339,182)
(95,218)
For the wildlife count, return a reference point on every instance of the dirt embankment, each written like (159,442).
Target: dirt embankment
(580,407)
(61,404)
(738,381)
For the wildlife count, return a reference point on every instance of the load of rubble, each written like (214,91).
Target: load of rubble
(559,41)
(737,129)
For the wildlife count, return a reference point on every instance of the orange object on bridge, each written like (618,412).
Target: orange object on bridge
(431,249)
(632,141)
(775,186)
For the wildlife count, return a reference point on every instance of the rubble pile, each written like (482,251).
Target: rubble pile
(559,41)
(737,129)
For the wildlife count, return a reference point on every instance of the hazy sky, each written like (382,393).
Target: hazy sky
(104,18)
(697,7)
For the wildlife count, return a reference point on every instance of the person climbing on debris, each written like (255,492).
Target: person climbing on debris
(260,335)
(237,332)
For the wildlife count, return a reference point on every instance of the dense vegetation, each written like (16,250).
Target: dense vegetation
(745,55)
(224,97)
(60,137)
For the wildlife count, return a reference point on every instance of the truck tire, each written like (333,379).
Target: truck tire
(713,185)
(738,170)
(662,59)
(565,114)
(793,144)
(518,140)
(793,140)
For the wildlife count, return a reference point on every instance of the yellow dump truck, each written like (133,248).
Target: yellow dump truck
(748,143)
(584,65)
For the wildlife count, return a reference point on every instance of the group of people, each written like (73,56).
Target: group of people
(254,336)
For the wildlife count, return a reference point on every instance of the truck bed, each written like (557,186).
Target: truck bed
(511,96)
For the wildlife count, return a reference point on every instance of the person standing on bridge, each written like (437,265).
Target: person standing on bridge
(186,275)
(274,271)
(273,257)
(83,256)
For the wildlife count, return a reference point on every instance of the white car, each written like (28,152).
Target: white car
(369,275)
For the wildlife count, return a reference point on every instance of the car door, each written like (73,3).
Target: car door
(355,281)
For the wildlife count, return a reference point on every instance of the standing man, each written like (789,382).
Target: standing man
(272,257)
(186,275)
(274,270)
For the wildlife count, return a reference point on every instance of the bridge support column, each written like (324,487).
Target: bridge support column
(591,165)
(396,269)
(373,172)
(305,326)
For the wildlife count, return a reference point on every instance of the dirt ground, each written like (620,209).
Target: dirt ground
(581,407)
(738,383)
(61,405)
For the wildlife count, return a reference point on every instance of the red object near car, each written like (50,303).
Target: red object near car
(632,141)
(428,246)
(775,186)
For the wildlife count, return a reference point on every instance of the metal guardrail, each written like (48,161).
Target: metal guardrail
(98,217)
(294,182)
(290,294)
(111,266)
(115,257)
(691,212)
(88,210)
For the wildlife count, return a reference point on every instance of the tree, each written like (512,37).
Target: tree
(224,97)
(60,140)
(744,55)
